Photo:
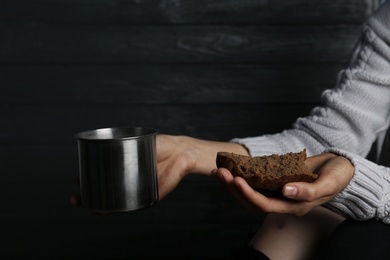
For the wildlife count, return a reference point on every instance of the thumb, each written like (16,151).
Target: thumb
(334,175)
(308,192)
(290,191)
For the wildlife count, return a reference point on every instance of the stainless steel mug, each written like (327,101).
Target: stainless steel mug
(118,171)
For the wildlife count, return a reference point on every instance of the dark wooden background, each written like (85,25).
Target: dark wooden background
(213,69)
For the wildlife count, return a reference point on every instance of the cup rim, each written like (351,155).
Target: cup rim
(116,133)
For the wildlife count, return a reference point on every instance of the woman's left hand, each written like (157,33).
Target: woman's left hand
(335,172)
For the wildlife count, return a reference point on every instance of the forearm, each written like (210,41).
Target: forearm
(205,153)
(178,156)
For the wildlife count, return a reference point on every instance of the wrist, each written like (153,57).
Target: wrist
(205,153)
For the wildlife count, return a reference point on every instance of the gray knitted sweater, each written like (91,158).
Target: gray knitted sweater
(351,117)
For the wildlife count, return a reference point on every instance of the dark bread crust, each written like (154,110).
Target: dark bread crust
(270,172)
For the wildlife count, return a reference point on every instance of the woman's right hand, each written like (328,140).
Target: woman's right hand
(178,156)
(175,160)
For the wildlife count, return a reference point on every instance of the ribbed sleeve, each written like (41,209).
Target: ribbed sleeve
(352,114)
(368,194)
(351,117)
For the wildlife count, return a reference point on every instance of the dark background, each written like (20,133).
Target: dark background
(213,69)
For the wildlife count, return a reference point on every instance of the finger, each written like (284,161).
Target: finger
(258,200)
(335,172)
(228,181)
(226,178)
(324,187)
(224,175)
(269,204)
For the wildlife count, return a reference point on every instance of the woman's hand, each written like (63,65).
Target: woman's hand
(335,172)
(178,156)
(175,160)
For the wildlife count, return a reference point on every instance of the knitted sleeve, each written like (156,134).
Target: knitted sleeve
(354,112)
(351,117)
(368,194)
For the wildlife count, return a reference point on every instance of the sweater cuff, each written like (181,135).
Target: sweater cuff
(366,196)
(285,142)
(262,145)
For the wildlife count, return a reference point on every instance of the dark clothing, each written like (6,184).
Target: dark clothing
(358,240)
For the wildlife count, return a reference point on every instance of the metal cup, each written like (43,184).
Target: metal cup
(118,171)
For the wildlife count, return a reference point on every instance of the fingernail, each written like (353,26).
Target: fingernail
(290,191)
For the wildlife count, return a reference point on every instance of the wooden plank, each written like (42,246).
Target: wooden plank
(160,84)
(58,124)
(187,12)
(42,43)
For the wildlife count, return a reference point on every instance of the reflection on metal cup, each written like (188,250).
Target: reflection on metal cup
(118,171)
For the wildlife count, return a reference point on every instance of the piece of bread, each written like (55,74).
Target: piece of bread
(267,172)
